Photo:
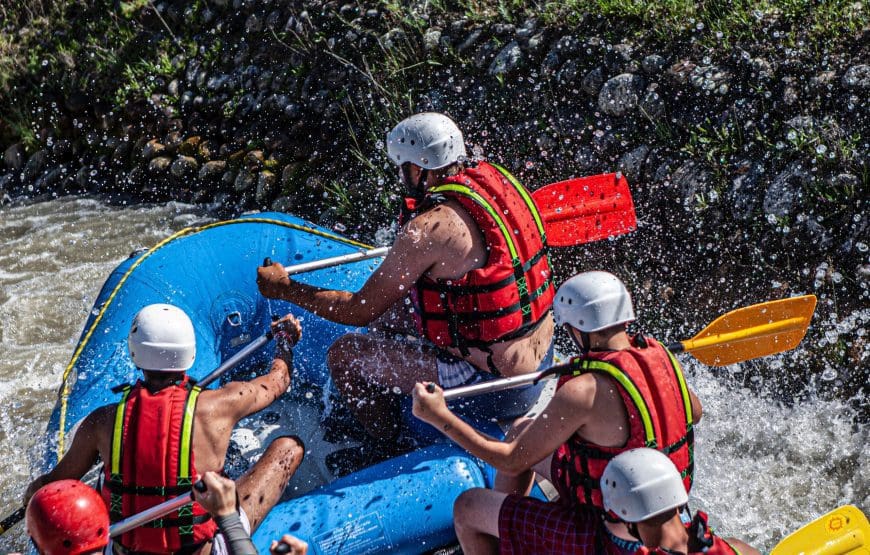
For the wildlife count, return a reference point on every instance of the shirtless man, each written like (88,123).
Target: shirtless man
(621,392)
(153,450)
(471,254)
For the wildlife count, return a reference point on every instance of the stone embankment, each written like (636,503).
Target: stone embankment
(747,154)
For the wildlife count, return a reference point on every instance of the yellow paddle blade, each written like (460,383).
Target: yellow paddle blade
(753,331)
(843,531)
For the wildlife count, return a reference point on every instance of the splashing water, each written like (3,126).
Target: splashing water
(764,468)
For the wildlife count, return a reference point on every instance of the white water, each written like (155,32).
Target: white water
(763,469)
(53,260)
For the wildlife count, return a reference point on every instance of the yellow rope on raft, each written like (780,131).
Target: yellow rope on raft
(65,386)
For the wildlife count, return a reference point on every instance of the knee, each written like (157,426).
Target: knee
(341,354)
(465,505)
(288,447)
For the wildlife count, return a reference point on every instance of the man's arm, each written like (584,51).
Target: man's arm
(420,245)
(564,415)
(82,454)
(239,399)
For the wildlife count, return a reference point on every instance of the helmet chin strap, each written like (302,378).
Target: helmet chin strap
(583,343)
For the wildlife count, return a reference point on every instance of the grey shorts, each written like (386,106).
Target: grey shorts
(219,544)
(453,371)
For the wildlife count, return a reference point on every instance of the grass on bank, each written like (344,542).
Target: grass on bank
(66,43)
(715,23)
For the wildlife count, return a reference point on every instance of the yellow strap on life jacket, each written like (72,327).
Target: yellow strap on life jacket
(187,433)
(526,198)
(118,432)
(684,390)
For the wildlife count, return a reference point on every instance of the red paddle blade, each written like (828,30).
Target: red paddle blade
(586,209)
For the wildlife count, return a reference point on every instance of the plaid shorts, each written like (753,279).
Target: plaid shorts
(527,525)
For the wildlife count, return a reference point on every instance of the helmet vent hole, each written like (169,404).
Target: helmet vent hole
(67,543)
(412,142)
(100,531)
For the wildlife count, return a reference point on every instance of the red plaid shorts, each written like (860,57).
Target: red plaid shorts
(528,526)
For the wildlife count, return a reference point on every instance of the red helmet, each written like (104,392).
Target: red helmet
(67,518)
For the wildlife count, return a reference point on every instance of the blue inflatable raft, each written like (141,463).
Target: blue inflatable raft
(402,505)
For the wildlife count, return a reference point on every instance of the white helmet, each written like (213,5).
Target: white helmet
(593,301)
(641,483)
(162,339)
(429,140)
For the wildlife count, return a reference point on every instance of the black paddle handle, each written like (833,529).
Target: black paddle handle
(12,520)
(282,548)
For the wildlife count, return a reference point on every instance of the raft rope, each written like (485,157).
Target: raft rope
(65,385)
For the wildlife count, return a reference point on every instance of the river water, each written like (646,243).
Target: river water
(763,468)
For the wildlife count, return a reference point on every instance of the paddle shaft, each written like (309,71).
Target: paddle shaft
(234,360)
(336,260)
(755,331)
(491,386)
(146,516)
(11,520)
(154,512)
(574,208)
(795,318)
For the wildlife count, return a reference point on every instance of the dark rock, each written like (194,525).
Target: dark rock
(470,40)
(159,165)
(507,60)
(620,94)
(432,39)
(184,166)
(745,191)
(857,77)
(152,148)
(245,181)
(652,104)
(211,171)
(266,187)
(632,163)
(283,204)
(694,184)
(568,73)
(13,157)
(785,190)
(35,164)
(592,81)
(653,64)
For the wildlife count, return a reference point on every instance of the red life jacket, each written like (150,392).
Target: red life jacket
(514,291)
(656,398)
(152,461)
(702,541)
